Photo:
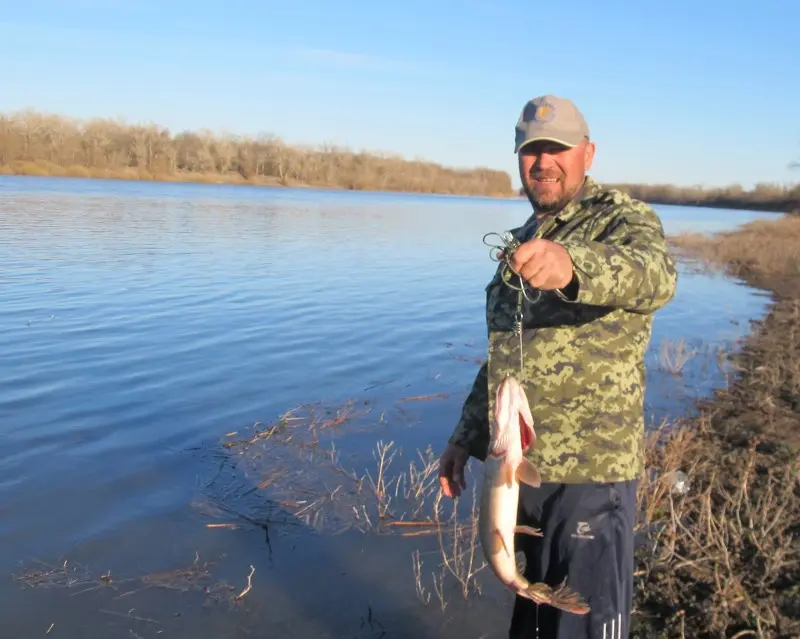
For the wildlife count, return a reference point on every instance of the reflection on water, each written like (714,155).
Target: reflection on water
(143,322)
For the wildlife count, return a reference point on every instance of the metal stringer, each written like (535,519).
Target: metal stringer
(518,330)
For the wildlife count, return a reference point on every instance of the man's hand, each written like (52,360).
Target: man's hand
(451,470)
(544,264)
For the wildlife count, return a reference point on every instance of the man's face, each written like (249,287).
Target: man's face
(552,174)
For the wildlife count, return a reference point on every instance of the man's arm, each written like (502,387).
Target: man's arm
(472,430)
(630,268)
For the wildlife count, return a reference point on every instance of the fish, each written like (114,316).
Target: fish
(511,434)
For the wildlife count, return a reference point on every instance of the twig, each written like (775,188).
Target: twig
(419,398)
(249,585)
(128,616)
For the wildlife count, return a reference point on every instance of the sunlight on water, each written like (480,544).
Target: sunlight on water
(140,321)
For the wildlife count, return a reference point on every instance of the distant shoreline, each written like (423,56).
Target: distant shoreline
(50,145)
(238,180)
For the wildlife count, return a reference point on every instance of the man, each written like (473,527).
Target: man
(599,262)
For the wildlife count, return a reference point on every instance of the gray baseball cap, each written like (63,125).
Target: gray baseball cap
(549,117)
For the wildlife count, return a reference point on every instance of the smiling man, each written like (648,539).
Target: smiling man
(600,263)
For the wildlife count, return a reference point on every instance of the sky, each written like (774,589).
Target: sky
(690,93)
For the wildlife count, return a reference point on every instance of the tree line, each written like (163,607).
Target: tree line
(34,143)
(763,197)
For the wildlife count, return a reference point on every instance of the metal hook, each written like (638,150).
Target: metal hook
(509,245)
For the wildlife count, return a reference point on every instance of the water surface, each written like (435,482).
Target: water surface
(143,322)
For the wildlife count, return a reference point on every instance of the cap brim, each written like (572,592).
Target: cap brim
(545,138)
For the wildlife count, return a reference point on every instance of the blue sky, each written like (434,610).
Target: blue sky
(704,92)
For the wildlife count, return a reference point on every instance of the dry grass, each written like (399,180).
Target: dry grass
(33,143)
(397,495)
(283,473)
(71,575)
(459,556)
(674,355)
(724,559)
(762,249)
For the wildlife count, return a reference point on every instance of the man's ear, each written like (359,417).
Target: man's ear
(588,155)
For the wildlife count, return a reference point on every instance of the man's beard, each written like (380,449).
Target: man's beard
(548,199)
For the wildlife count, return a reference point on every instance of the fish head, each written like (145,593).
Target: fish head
(512,431)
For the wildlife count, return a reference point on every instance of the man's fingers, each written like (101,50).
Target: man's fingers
(526,251)
(458,475)
(444,484)
(451,476)
(451,471)
(534,271)
(449,488)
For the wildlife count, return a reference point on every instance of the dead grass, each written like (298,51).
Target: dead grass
(71,575)
(291,472)
(767,250)
(396,495)
(674,355)
(724,559)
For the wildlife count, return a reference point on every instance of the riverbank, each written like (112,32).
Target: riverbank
(725,559)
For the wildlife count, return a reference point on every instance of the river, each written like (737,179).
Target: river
(145,325)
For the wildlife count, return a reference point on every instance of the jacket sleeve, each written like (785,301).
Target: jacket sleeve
(629,266)
(472,430)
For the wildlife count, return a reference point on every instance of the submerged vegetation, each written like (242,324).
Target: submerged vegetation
(43,144)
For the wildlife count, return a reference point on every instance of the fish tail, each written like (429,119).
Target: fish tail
(566,599)
(562,597)
(538,592)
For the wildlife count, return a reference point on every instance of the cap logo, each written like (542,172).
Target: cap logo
(544,112)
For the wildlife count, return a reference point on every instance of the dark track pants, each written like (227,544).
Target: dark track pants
(588,539)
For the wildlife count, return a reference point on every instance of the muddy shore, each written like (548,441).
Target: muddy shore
(724,558)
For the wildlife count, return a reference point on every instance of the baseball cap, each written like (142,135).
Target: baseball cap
(550,117)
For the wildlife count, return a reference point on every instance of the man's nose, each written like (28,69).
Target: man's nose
(543,160)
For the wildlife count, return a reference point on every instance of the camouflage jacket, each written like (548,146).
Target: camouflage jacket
(583,358)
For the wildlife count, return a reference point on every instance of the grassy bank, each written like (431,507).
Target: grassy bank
(727,558)
(33,143)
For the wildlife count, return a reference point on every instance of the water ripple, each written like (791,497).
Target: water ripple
(140,320)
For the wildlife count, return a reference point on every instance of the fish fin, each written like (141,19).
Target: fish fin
(528,530)
(508,474)
(525,411)
(496,547)
(528,473)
